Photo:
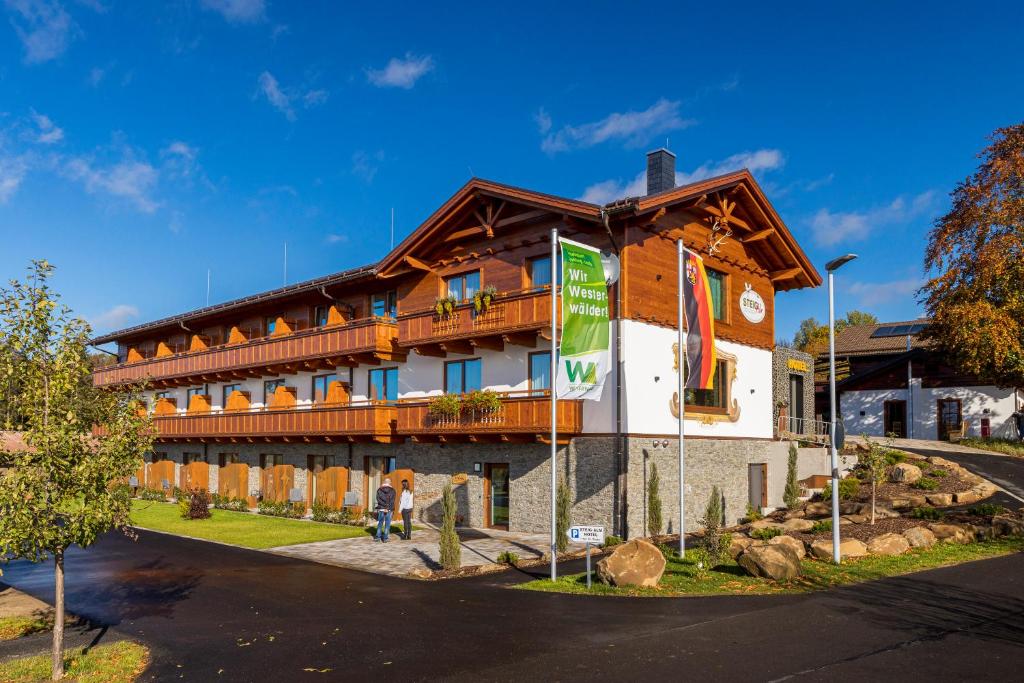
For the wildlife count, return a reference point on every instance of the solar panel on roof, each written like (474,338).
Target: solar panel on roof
(898,330)
(882,332)
(901,329)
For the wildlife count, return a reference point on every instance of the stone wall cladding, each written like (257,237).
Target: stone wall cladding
(780,381)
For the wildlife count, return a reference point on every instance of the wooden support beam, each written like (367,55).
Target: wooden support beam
(417,264)
(758,236)
(432,350)
(459,346)
(527,339)
(787,274)
(489,343)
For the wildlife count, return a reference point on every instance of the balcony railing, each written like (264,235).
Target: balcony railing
(520,413)
(369,420)
(511,313)
(341,344)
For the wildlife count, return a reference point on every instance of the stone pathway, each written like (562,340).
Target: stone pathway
(399,558)
(943,446)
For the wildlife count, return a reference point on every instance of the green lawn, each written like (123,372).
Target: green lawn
(238,528)
(683,578)
(16,627)
(120,662)
(1004,446)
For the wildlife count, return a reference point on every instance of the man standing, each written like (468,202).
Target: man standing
(385,506)
(405,505)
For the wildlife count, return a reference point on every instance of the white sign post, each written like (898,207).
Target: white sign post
(591,535)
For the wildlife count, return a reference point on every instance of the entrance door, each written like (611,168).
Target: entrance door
(949,416)
(315,467)
(496,496)
(895,418)
(758,485)
(796,404)
(376,468)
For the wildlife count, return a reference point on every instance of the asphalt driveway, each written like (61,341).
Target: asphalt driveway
(211,612)
(1005,471)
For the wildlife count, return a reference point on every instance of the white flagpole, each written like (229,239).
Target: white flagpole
(554,399)
(682,407)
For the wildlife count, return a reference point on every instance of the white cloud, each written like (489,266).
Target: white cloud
(282,98)
(401,73)
(832,228)
(757,162)
(633,128)
(129,179)
(180,162)
(12,172)
(366,164)
(49,133)
(335,238)
(96,75)
(115,317)
(543,120)
(870,294)
(238,11)
(43,26)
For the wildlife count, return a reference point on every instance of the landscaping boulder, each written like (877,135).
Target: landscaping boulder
(951,533)
(766,524)
(421,573)
(1007,525)
(919,537)
(888,544)
(793,543)
(939,499)
(967,497)
(634,563)
(738,545)
(794,513)
(778,562)
(851,547)
(818,509)
(985,489)
(797,524)
(905,473)
(855,519)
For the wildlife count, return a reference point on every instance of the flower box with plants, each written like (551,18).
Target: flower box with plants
(444,306)
(482,299)
(482,403)
(445,406)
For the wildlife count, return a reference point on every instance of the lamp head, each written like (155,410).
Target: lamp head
(837,263)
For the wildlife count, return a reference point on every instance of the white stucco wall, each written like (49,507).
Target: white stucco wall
(975,401)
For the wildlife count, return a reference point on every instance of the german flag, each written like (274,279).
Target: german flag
(700,324)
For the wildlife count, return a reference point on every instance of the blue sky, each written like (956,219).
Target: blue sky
(142,144)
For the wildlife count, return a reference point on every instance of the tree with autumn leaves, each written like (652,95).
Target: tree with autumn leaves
(68,485)
(975,260)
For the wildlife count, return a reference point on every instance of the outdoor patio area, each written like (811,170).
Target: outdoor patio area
(400,558)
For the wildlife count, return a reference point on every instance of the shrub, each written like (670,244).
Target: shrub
(822,526)
(281,509)
(152,494)
(228,503)
(927,512)
(654,502)
(753,514)
(847,489)
(938,473)
(445,405)
(484,401)
(926,484)
(563,512)
(451,552)
(508,557)
(987,510)
(610,541)
(195,505)
(712,523)
(178,493)
(893,457)
(791,496)
(766,534)
(324,513)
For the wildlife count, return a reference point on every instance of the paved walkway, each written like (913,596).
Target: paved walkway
(913,444)
(399,558)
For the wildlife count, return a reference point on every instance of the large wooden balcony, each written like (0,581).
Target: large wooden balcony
(512,318)
(523,416)
(369,340)
(367,421)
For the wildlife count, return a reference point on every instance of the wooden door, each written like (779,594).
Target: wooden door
(949,415)
(496,496)
(895,418)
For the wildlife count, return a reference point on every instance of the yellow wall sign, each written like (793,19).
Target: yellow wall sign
(798,365)
(460,478)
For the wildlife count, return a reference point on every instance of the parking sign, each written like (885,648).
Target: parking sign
(586,534)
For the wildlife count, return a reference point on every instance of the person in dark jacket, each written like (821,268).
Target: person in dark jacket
(385,507)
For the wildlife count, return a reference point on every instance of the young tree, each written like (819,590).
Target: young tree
(563,515)
(67,486)
(791,495)
(712,523)
(874,462)
(976,253)
(654,502)
(451,551)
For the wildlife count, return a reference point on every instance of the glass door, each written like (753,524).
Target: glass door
(497,491)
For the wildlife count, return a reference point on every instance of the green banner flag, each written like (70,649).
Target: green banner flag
(583,354)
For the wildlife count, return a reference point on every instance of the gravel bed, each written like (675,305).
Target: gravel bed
(864,532)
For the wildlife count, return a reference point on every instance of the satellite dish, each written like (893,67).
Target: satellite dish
(610,262)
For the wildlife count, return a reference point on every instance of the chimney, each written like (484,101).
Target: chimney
(661,171)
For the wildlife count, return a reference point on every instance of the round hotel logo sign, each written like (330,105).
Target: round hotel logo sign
(751,304)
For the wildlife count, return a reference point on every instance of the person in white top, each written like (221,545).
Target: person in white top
(405,506)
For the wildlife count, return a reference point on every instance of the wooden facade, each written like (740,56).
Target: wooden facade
(518,415)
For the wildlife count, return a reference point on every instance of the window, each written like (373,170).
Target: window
(716,398)
(159,457)
(538,269)
(268,460)
(321,314)
(269,388)
(162,394)
(189,458)
(228,459)
(384,384)
(384,305)
(321,384)
(194,391)
(464,285)
(540,371)
(228,390)
(269,325)
(716,282)
(462,376)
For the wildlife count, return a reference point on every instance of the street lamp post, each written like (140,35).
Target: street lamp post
(831,267)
